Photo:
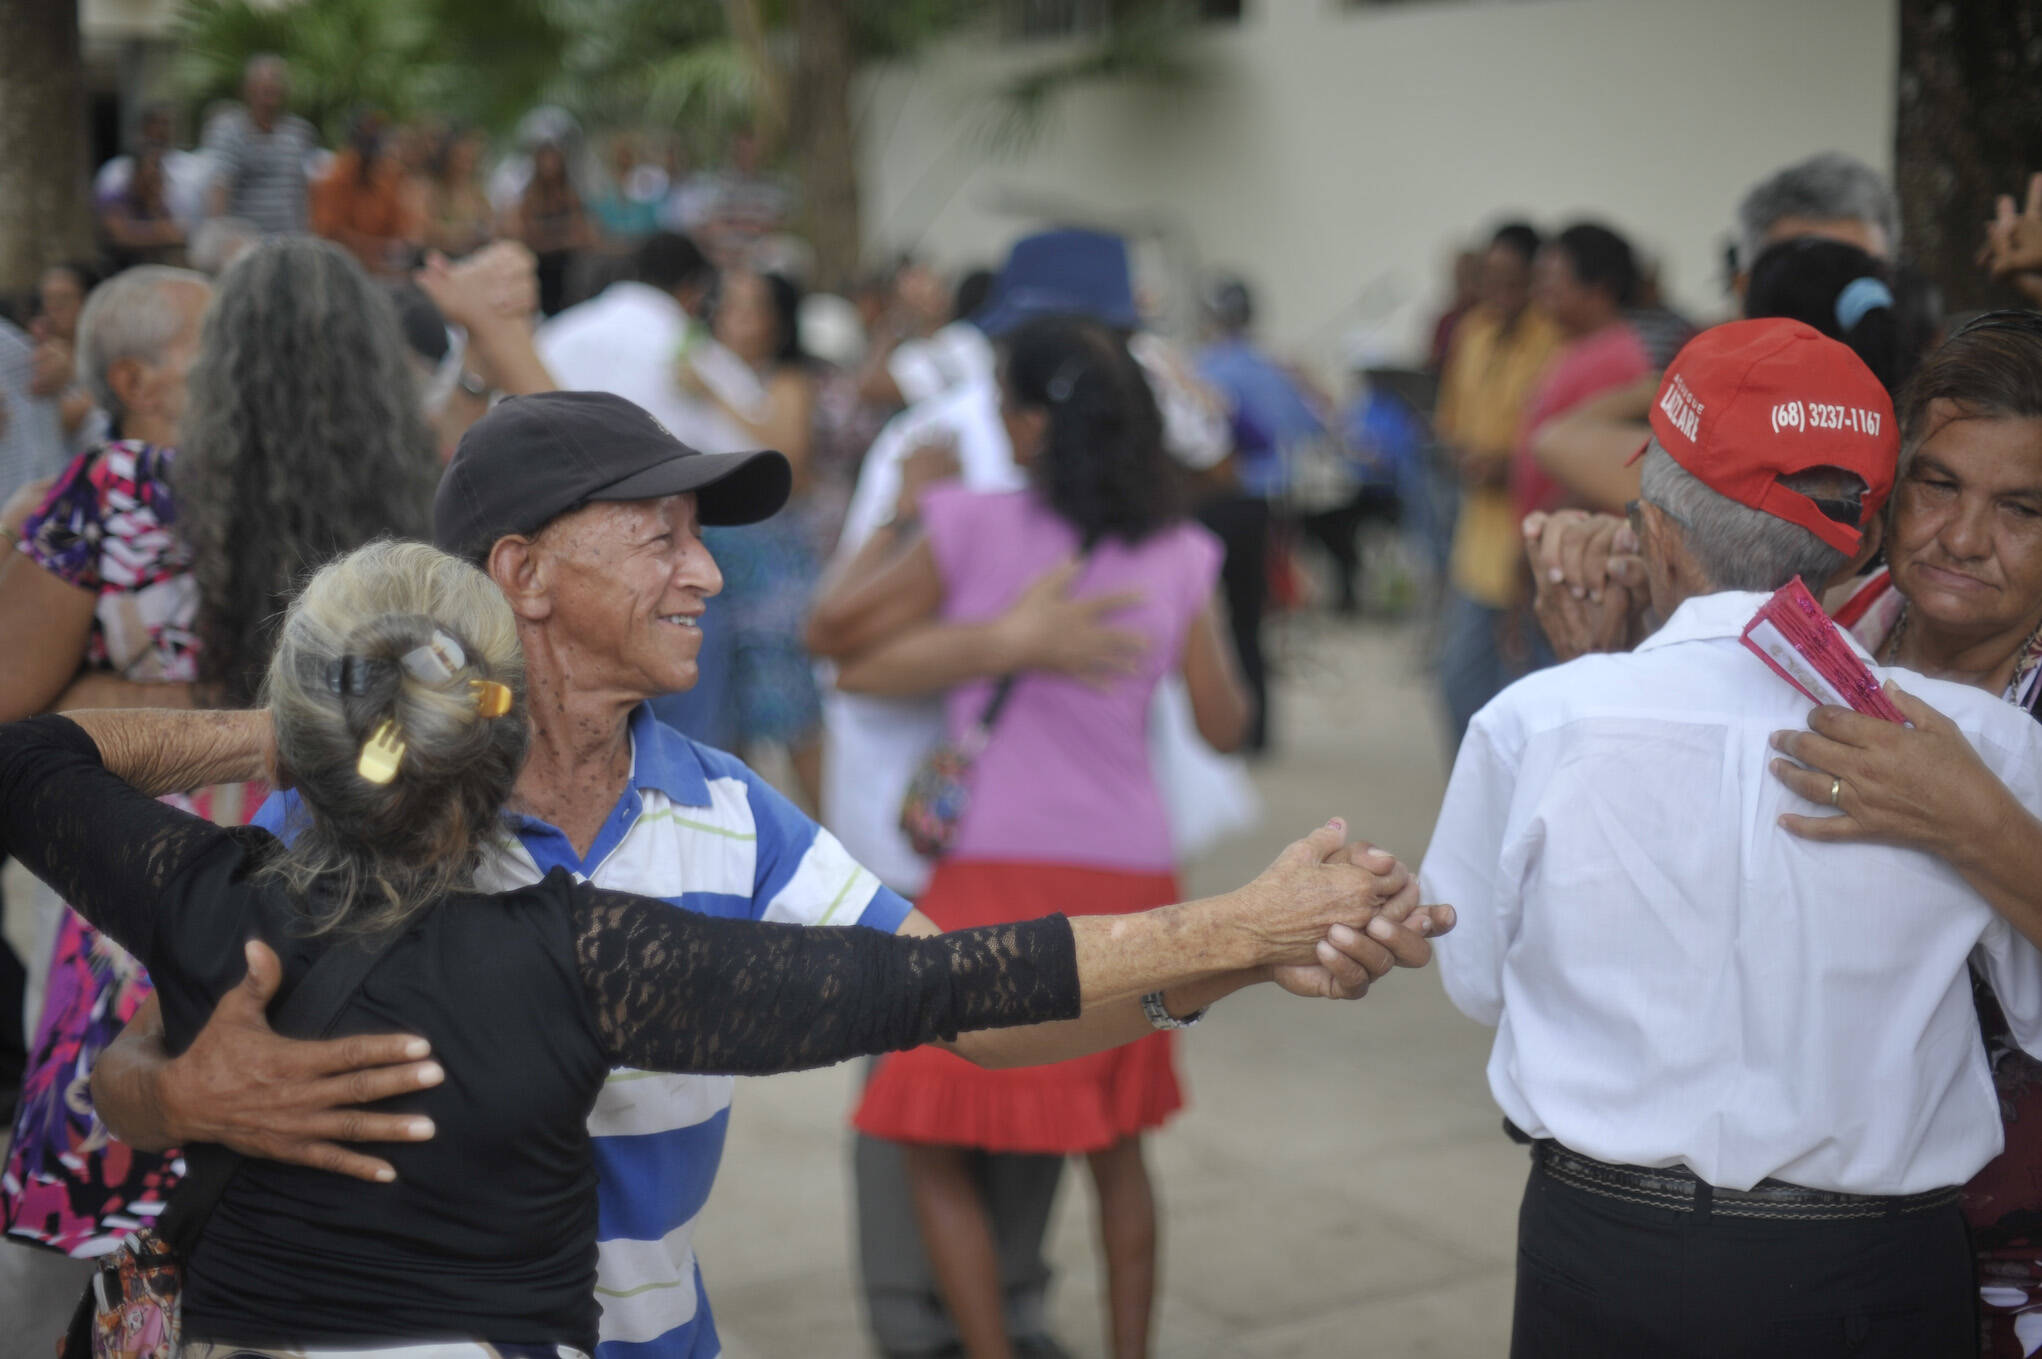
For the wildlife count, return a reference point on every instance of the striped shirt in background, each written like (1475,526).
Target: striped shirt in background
(698,830)
(266,173)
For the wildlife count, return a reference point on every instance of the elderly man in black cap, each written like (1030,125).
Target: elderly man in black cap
(586,512)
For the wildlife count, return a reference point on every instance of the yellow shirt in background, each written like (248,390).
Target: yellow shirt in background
(1489,378)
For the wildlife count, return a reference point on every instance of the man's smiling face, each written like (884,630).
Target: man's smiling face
(630,579)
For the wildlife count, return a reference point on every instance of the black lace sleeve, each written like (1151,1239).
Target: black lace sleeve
(677,991)
(108,850)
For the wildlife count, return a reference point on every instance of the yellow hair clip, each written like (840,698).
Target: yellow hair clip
(381,753)
(491,699)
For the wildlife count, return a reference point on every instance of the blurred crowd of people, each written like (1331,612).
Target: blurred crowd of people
(996,601)
(280,347)
(390,191)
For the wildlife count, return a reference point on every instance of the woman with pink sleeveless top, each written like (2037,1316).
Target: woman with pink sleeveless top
(1064,811)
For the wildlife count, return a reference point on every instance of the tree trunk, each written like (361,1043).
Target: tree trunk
(45,203)
(825,153)
(770,114)
(1970,109)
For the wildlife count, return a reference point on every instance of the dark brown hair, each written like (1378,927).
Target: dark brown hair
(1991,368)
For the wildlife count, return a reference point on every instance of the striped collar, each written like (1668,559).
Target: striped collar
(662,758)
(662,761)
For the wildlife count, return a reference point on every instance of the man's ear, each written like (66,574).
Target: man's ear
(522,570)
(1665,548)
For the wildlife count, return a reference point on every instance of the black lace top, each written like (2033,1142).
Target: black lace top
(528,998)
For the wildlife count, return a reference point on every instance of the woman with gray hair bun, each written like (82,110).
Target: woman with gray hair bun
(263,424)
(399,712)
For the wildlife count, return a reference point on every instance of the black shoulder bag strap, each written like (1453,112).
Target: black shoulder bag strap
(309,1011)
(975,741)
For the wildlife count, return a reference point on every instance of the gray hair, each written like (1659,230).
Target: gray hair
(1737,547)
(367,856)
(302,437)
(1831,187)
(130,316)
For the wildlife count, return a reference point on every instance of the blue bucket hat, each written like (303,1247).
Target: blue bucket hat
(1062,273)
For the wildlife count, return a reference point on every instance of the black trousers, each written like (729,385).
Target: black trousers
(902,1304)
(1338,532)
(1241,523)
(1600,1278)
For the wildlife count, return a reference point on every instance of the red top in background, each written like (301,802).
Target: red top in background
(1586,368)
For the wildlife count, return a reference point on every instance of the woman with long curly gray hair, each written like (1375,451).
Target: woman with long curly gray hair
(302,438)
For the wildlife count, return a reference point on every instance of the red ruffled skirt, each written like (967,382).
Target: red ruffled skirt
(1085,1104)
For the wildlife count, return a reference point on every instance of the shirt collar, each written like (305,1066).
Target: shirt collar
(662,758)
(1710,617)
(1702,618)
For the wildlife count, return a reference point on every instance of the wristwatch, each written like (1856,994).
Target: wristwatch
(1160,1016)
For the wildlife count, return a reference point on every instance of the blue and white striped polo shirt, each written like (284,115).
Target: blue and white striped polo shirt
(699,830)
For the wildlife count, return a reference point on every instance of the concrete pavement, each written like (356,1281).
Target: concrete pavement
(1339,1184)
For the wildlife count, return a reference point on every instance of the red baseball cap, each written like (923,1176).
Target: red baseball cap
(1747,403)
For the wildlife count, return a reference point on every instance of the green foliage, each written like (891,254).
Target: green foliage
(611,62)
(895,30)
(343,54)
(659,63)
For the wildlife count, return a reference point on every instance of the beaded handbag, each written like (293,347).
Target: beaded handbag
(941,788)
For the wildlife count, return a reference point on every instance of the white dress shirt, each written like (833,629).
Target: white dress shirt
(627,340)
(1675,979)
(953,356)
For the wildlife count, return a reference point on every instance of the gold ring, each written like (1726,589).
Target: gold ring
(1836,792)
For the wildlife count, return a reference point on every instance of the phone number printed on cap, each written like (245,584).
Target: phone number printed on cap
(1807,415)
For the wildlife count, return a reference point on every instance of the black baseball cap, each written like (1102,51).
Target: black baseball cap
(532,459)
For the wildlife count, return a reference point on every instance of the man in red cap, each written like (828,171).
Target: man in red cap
(1747,1064)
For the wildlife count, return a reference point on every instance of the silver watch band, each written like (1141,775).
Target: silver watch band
(1160,1017)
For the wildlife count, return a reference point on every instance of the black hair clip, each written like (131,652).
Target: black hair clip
(1065,380)
(352,674)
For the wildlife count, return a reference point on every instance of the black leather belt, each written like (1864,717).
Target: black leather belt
(1678,1189)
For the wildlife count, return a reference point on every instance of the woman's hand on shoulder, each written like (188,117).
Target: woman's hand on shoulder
(1920,786)
(1047,629)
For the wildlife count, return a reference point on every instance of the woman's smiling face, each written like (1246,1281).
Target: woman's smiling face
(1966,546)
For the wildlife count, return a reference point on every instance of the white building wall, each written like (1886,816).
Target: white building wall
(1337,156)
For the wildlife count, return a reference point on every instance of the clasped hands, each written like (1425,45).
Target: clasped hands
(1589,589)
(1333,916)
